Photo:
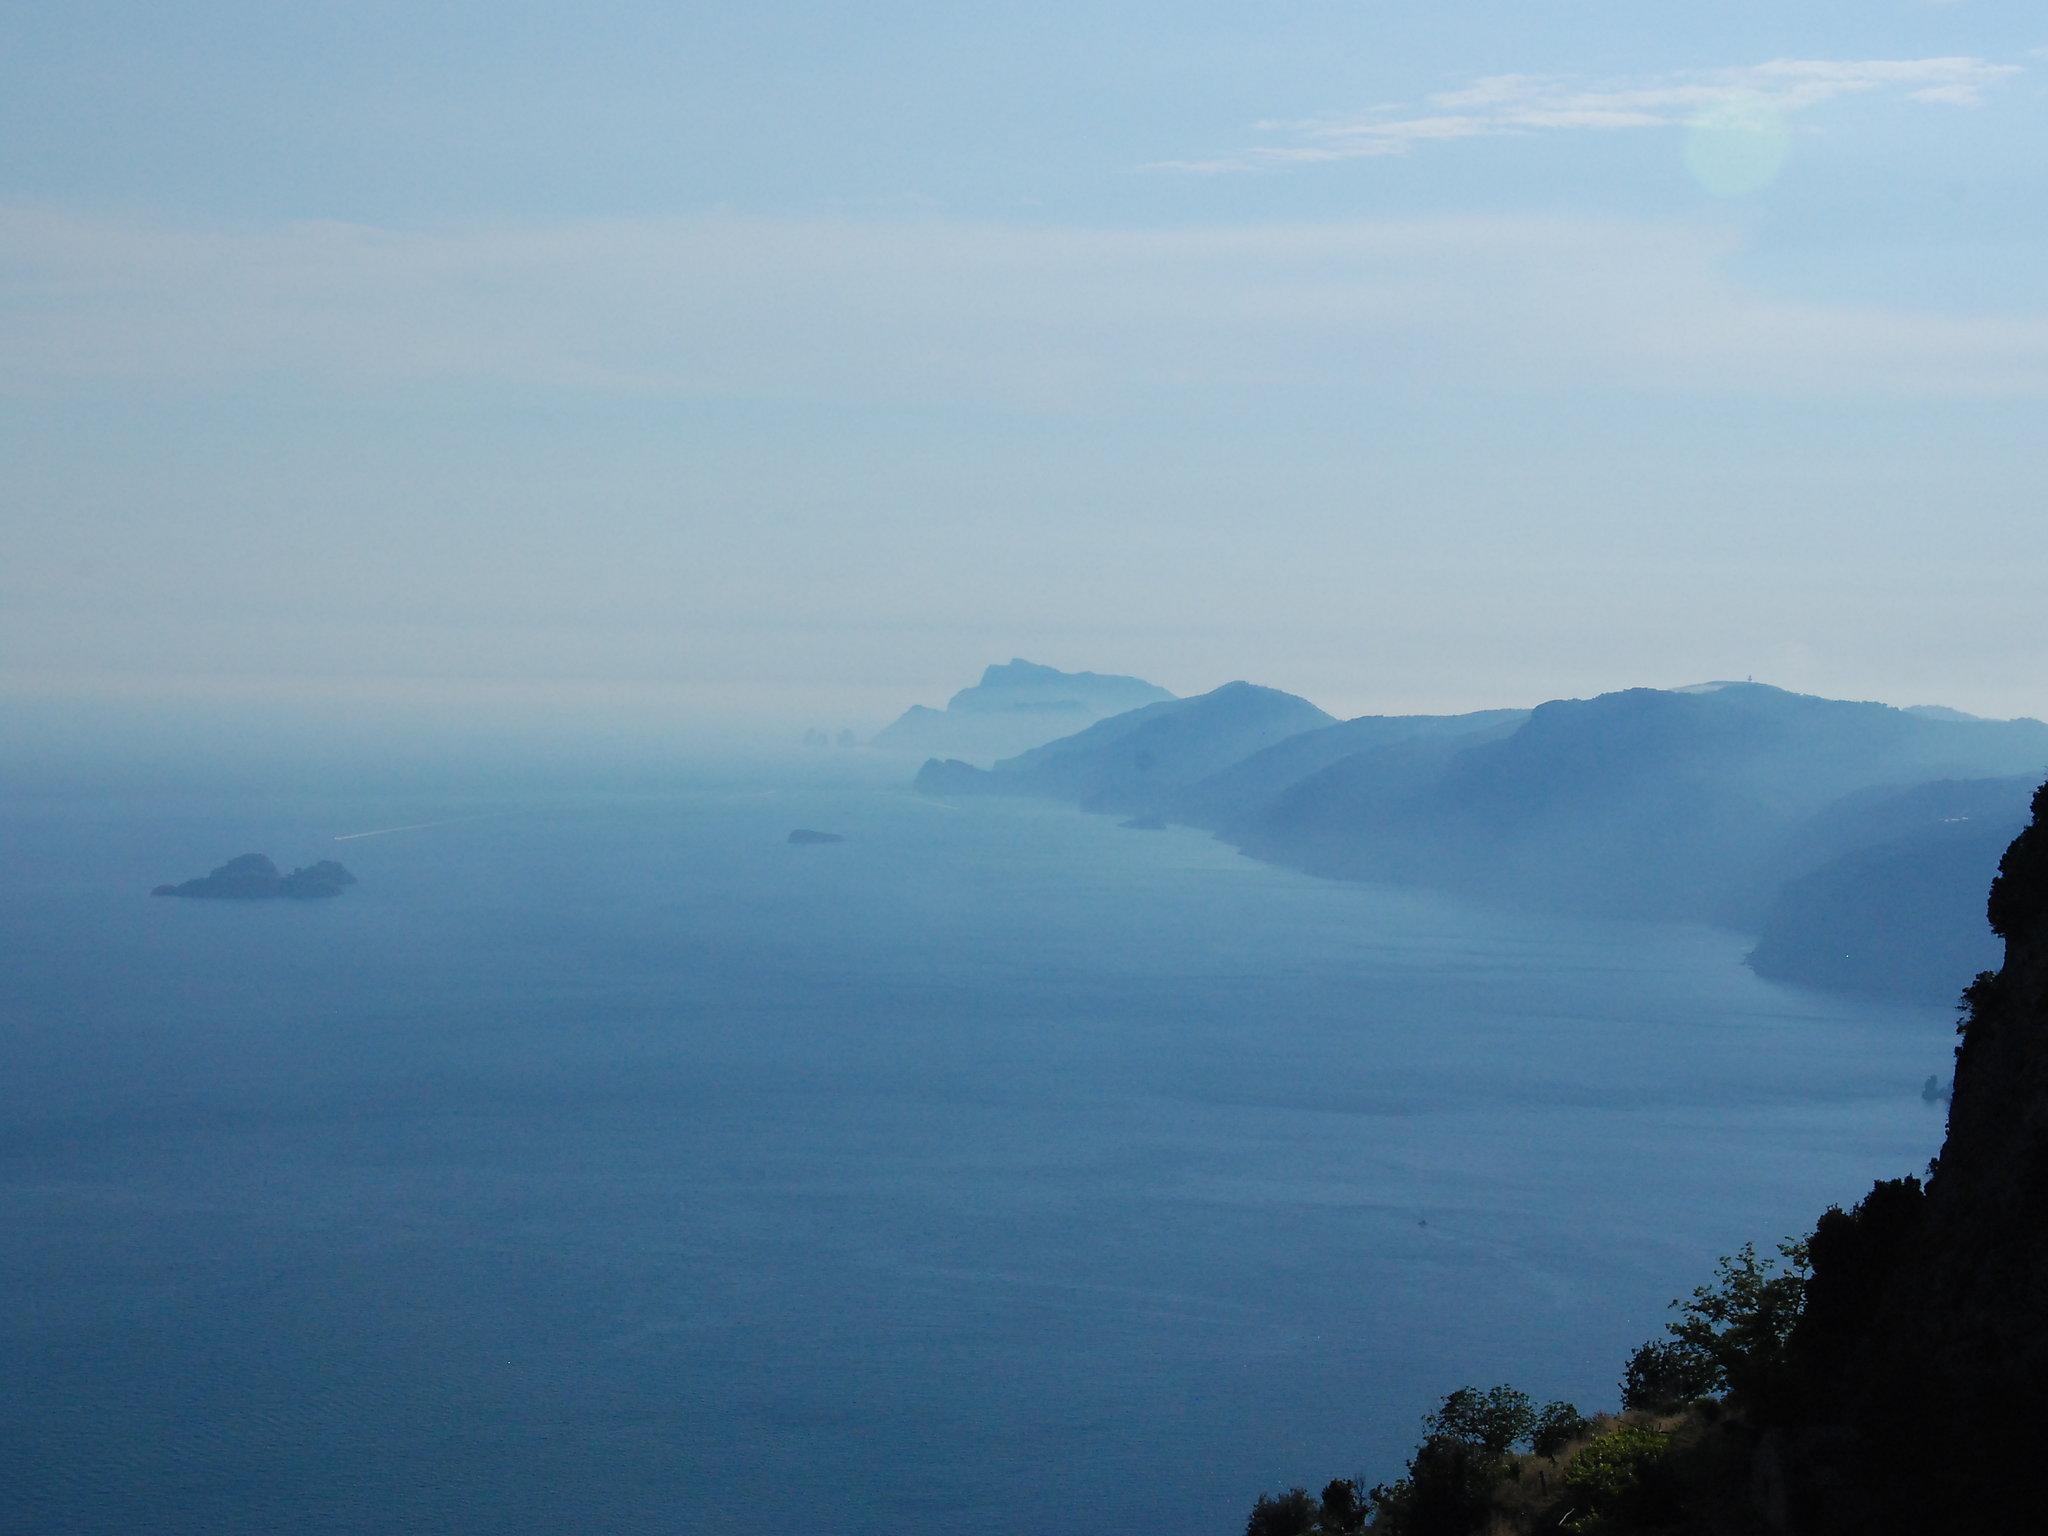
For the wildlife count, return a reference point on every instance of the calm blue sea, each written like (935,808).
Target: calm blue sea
(603,1163)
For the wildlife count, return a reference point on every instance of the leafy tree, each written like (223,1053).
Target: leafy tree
(1343,1508)
(1730,1337)
(1340,1512)
(1493,1420)
(1448,1491)
(1458,1468)
(1666,1374)
(1293,1513)
(1557,1426)
(1742,1322)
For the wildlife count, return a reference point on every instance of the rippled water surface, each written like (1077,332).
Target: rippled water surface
(606,1163)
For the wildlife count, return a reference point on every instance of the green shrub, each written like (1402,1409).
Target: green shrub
(1610,1465)
(1612,1478)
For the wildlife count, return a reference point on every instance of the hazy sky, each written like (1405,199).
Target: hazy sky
(690,361)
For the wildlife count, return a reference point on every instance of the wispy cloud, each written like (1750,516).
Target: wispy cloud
(918,312)
(1498,105)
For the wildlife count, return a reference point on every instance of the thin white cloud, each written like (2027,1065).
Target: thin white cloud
(1949,95)
(928,312)
(1498,105)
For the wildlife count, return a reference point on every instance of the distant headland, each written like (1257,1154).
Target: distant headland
(1016,706)
(252,877)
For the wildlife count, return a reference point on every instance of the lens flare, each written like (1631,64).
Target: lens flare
(1738,146)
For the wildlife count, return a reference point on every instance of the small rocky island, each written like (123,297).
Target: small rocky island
(806,836)
(252,877)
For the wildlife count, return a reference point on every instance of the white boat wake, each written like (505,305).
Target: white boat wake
(414,826)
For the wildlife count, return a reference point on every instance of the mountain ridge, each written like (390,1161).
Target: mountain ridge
(1705,804)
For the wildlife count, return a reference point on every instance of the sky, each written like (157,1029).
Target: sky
(784,365)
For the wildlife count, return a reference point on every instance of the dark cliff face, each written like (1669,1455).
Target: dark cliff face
(1978,1289)
(1927,1324)
(2019,896)
(1992,1179)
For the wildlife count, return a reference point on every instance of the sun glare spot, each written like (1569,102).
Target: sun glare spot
(1738,146)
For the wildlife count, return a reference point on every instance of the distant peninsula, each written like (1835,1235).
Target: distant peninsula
(1016,706)
(807,836)
(252,877)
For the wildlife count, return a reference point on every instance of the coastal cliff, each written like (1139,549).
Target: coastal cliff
(1929,1317)
(1881,1377)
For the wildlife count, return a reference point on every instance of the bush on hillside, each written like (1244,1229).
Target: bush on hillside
(1612,1479)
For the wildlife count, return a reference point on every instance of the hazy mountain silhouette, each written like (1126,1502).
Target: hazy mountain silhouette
(1013,708)
(1740,804)
(1133,763)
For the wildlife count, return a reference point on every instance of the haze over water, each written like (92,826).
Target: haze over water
(603,1162)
